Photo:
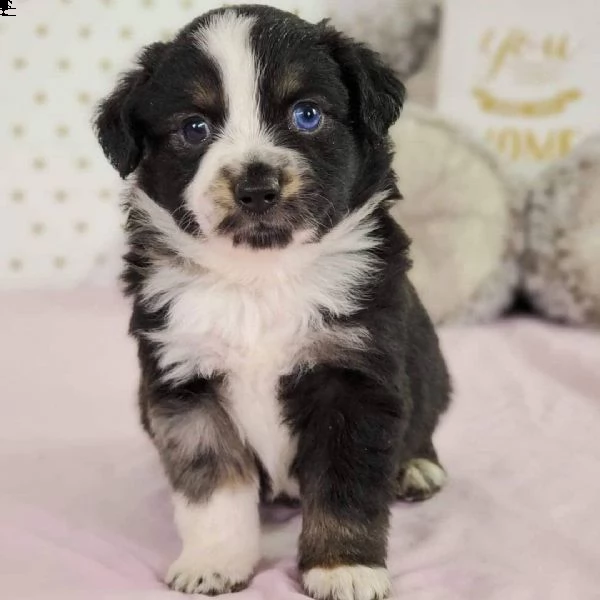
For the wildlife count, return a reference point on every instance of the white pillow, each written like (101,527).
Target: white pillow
(464,215)
(403,31)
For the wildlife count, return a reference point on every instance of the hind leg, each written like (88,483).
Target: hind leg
(420,477)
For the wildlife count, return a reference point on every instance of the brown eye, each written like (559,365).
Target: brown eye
(196,131)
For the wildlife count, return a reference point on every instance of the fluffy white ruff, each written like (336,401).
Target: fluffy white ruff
(355,582)
(221,541)
(338,252)
(464,215)
(255,315)
(563,238)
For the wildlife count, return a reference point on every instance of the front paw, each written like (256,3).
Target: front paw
(195,575)
(356,582)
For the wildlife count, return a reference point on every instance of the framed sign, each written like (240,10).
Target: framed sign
(524,74)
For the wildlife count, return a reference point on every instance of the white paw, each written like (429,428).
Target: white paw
(221,542)
(191,575)
(355,582)
(420,480)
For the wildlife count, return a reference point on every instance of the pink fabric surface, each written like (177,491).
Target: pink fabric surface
(84,508)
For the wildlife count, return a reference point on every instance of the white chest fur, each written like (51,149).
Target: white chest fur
(251,334)
(252,316)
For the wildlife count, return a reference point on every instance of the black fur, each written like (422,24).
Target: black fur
(359,414)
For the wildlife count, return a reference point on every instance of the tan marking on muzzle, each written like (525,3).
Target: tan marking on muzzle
(291,183)
(221,193)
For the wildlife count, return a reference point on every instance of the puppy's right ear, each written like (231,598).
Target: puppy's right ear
(120,136)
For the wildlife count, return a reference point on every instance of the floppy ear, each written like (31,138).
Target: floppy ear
(120,136)
(376,94)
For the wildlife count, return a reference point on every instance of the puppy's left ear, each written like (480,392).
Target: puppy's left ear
(376,94)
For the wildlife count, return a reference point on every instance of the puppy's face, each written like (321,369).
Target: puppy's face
(254,124)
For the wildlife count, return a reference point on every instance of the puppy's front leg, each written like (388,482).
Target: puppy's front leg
(349,429)
(215,485)
(220,536)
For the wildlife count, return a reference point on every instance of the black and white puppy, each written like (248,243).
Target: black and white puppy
(283,351)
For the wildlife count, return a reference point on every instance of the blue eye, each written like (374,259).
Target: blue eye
(196,131)
(307,116)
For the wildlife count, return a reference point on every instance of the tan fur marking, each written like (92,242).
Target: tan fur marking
(325,540)
(221,193)
(290,83)
(292,183)
(206,97)
(182,436)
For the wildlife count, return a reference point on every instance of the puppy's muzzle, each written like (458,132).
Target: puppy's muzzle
(258,189)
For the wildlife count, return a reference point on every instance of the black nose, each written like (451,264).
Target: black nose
(257,195)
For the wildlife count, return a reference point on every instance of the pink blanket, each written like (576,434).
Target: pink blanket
(85,511)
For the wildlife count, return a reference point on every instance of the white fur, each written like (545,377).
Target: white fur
(254,315)
(423,475)
(226,38)
(221,541)
(348,583)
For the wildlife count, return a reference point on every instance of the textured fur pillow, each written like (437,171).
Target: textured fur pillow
(562,258)
(464,216)
(403,31)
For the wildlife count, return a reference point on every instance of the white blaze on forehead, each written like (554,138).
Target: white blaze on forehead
(227,40)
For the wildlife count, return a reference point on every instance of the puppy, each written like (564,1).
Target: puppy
(283,351)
